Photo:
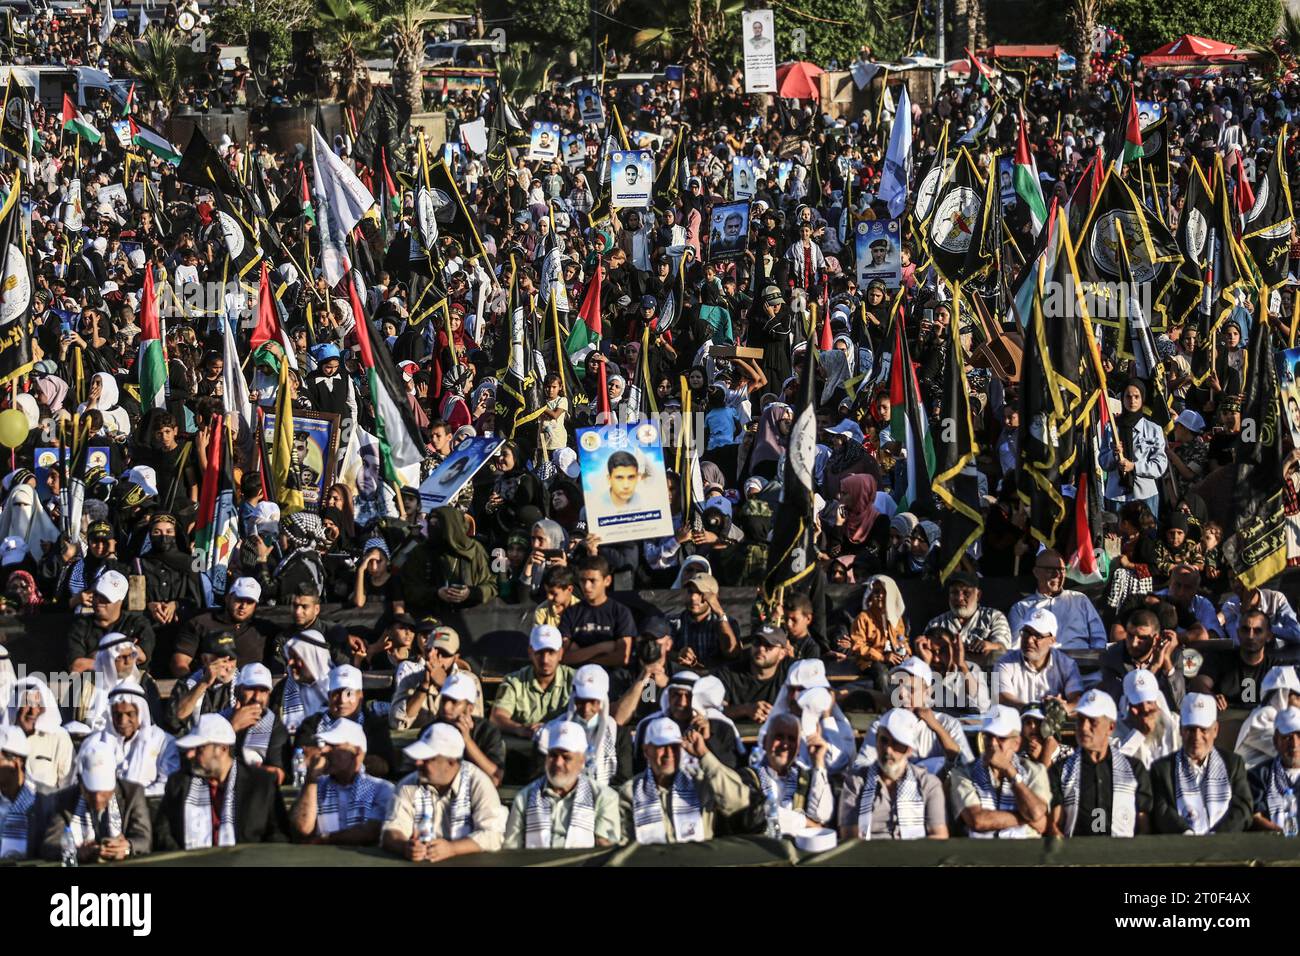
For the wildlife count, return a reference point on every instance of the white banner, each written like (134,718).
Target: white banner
(760,51)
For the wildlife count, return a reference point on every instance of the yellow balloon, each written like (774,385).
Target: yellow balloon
(14,427)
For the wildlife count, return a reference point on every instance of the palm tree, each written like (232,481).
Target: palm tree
(350,31)
(694,33)
(162,61)
(403,23)
(1083,24)
(521,73)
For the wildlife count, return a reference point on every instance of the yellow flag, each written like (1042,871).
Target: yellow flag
(290,499)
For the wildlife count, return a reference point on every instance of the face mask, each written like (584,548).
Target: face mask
(163,544)
(591,724)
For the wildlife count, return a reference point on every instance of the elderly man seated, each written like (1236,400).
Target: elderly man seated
(340,803)
(18,801)
(565,807)
(108,817)
(1272,784)
(34,710)
(1039,670)
(146,754)
(1197,618)
(1147,729)
(938,740)
(667,803)
(981,629)
(1000,795)
(778,782)
(1098,791)
(447,807)
(1080,625)
(893,798)
(1201,788)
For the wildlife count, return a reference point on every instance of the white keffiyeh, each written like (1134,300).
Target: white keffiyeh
(83,821)
(1279,791)
(909,805)
(683,802)
(581,831)
(257,741)
(197,813)
(1202,804)
(300,701)
(1123,800)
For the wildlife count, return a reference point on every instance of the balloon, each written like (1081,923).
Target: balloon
(13,427)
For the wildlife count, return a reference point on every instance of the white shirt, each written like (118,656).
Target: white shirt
(1079,626)
(1058,678)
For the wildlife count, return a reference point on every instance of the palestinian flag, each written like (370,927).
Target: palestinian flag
(585,336)
(1131,146)
(76,121)
(980,74)
(1028,186)
(216,532)
(910,426)
(268,328)
(142,137)
(792,554)
(151,366)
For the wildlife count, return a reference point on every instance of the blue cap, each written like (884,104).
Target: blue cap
(719,503)
(325,352)
(649,302)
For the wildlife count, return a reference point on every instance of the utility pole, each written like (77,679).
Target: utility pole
(595,46)
(938,39)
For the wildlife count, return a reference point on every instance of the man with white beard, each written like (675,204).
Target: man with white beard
(1147,730)
(893,798)
(564,807)
(1272,784)
(1000,795)
(982,630)
(805,793)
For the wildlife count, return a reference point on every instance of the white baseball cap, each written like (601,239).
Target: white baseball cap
(344,731)
(345,677)
(112,586)
(209,729)
(568,736)
(459,686)
(916,667)
(663,732)
(14,741)
(12,550)
(438,740)
(144,477)
(1282,677)
(1199,710)
(1288,722)
(1041,621)
(1097,703)
(1001,721)
(901,725)
(807,673)
(246,589)
(97,767)
(545,637)
(590,682)
(255,675)
(1141,686)
(816,700)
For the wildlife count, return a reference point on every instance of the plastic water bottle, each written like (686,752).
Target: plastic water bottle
(68,847)
(424,832)
(772,812)
(1291,826)
(299,767)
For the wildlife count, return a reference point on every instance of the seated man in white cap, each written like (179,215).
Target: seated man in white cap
(305,688)
(677,702)
(564,807)
(345,701)
(146,754)
(254,637)
(261,739)
(806,694)
(1201,788)
(340,803)
(1147,730)
(894,797)
(532,695)
(447,807)
(217,800)
(109,818)
(1280,690)
(609,745)
(18,798)
(938,740)
(1080,625)
(485,748)
(108,613)
(777,782)
(1001,795)
(1098,791)
(1272,784)
(35,712)
(1039,671)
(671,803)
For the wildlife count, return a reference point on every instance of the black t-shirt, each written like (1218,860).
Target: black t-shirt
(586,625)
(251,637)
(744,688)
(1236,680)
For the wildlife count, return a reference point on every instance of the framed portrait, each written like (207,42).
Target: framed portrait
(316,446)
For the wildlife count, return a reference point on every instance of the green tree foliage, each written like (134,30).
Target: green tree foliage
(231,23)
(837,30)
(558,23)
(1147,24)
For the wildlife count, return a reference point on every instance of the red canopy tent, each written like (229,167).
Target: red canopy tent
(798,81)
(1188,45)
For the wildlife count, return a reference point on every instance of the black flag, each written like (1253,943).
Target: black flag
(958,221)
(956,481)
(387,123)
(16,126)
(1268,223)
(200,166)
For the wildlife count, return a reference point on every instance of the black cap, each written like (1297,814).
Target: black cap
(219,644)
(99,530)
(772,636)
(656,627)
(428,624)
(967,578)
(402,620)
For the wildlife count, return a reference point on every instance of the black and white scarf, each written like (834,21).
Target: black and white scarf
(1123,799)
(581,831)
(459,823)
(334,812)
(1277,793)
(602,751)
(17,825)
(83,822)
(909,805)
(197,814)
(300,701)
(257,741)
(1205,803)
(1003,798)
(684,803)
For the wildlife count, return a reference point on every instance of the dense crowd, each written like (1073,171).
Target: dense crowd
(321,682)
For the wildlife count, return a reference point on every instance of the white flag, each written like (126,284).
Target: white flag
(341,201)
(106,23)
(144,23)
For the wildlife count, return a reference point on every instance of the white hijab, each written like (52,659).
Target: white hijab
(1255,740)
(23,517)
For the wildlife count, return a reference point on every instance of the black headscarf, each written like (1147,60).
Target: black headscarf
(1126,421)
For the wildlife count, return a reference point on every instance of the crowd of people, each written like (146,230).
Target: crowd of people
(325,683)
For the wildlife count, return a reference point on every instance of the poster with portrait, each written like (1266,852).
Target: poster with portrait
(783,169)
(575,150)
(544,141)
(878,252)
(743,178)
(453,154)
(1149,111)
(456,470)
(122,130)
(624,482)
(315,448)
(760,51)
(1007,180)
(590,108)
(1288,376)
(631,178)
(45,459)
(728,230)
